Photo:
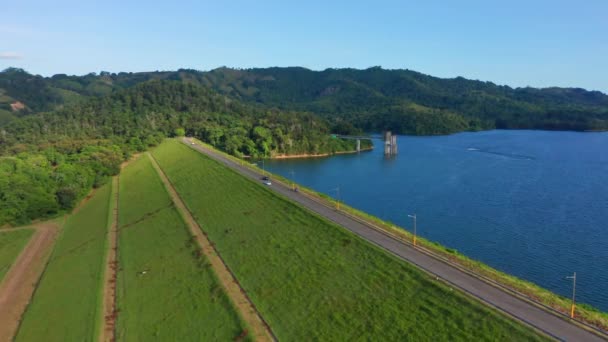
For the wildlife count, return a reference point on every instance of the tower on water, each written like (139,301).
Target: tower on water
(390,144)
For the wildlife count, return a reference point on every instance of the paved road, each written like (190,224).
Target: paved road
(530,314)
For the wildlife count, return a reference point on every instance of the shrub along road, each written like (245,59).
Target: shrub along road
(524,311)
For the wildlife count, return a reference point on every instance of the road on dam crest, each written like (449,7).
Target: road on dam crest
(543,320)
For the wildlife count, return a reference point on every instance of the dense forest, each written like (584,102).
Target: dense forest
(410,102)
(158,108)
(42,182)
(373,99)
(62,135)
(51,159)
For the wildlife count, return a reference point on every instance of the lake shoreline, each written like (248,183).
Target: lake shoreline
(321,155)
(501,199)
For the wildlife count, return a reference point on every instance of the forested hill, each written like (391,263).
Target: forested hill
(410,102)
(372,99)
(156,108)
(49,160)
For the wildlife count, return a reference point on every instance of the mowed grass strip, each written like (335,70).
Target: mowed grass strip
(167,290)
(313,280)
(65,304)
(11,244)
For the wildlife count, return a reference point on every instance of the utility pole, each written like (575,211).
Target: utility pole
(573,277)
(337,190)
(293,183)
(413,216)
(338,197)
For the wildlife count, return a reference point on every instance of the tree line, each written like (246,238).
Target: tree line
(50,160)
(403,101)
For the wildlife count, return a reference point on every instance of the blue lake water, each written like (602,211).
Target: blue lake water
(530,203)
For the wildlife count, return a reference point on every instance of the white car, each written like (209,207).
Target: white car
(267,183)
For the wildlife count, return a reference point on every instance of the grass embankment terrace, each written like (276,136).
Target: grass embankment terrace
(313,280)
(584,312)
(11,244)
(65,305)
(167,290)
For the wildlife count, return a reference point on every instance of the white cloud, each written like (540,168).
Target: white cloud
(10,55)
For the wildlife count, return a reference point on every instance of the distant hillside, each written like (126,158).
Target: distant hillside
(411,102)
(371,99)
(150,110)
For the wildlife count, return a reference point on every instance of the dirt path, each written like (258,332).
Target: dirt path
(107,331)
(261,331)
(20,281)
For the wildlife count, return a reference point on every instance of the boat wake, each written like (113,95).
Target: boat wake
(502,154)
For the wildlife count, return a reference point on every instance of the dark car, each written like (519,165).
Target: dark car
(265,178)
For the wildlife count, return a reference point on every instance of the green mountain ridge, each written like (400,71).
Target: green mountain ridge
(404,101)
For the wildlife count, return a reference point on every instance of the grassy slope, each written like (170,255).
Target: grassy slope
(314,280)
(583,312)
(179,298)
(11,244)
(64,306)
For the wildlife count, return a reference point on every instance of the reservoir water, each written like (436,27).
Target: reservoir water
(529,203)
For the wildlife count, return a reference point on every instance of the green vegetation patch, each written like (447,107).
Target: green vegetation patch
(167,290)
(5,116)
(313,280)
(11,244)
(584,312)
(65,304)
(49,182)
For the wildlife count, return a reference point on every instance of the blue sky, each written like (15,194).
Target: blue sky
(519,43)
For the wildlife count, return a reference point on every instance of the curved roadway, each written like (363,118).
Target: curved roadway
(558,327)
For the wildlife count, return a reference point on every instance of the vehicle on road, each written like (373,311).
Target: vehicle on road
(267,182)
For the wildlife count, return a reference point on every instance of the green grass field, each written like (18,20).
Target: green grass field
(167,291)
(313,280)
(584,312)
(65,304)
(11,244)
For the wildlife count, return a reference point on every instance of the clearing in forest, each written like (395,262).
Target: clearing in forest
(167,290)
(313,280)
